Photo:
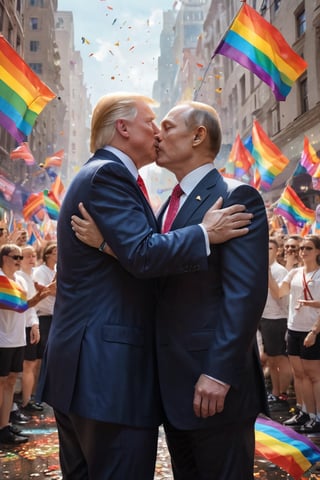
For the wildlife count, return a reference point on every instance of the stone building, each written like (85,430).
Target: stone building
(239,96)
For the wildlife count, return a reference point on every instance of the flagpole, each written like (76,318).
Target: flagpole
(195,95)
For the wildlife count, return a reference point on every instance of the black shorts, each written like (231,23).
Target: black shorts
(273,333)
(44,326)
(31,349)
(296,348)
(11,360)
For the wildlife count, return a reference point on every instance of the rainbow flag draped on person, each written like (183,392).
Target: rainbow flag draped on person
(270,161)
(284,447)
(291,207)
(11,296)
(22,94)
(259,46)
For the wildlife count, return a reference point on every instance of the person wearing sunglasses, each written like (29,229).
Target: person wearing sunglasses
(12,339)
(303,341)
(291,252)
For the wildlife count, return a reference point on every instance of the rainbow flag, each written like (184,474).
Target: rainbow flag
(51,206)
(22,94)
(309,159)
(55,160)
(23,152)
(291,207)
(270,161)
(33,206)
(259,46)
(240,158)
(11,296)
(284,447)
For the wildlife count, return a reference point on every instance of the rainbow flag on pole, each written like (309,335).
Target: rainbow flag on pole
(309,159)
(270,161)
(291,207)
(240,159)
(22,94)
(259,46)
(284,447)
(11,296)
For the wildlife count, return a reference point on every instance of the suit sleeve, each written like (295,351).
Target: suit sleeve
(127,224)
(244,287)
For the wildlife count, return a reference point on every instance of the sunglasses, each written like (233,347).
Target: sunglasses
(15,257)
(306,248)
(293,247)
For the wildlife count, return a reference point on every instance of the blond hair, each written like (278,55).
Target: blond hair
(108,110)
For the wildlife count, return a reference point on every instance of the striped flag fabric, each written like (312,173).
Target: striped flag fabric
(284,447)
(309,159)
(270,161)
(23,95)
(291,207)
(258,46)
(11,295)
(54,160)
(241,158)
(23,152)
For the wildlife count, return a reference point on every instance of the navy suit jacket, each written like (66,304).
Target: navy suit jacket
(100,356)
(207,320)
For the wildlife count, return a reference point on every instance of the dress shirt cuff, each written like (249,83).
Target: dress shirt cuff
(206,239)
(218,381)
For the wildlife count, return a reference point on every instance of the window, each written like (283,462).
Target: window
(304,95)
(36,67)
(36,3)
(243,89)
(301,23)
(34,23)
(276,5)
(34,45)
(275,120)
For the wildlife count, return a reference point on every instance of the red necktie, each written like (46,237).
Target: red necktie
(173,208)
(143,188)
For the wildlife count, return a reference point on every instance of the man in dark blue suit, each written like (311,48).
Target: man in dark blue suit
(99,370)
(211,382)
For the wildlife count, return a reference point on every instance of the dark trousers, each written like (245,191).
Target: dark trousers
(93,450)
(226,453)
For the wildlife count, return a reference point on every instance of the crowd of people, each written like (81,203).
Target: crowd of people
(290,341)
(22,337)
(154,318)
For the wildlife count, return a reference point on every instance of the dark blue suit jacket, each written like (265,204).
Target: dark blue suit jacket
(207,320)
(100,357)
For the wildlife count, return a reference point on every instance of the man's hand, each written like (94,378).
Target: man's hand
(209,397)
(222,224)
(86,229)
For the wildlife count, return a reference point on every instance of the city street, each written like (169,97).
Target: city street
(38,459)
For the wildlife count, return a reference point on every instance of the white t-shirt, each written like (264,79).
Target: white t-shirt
(302,319)
(31,314)
(44,275)
(13,324)
(276,308)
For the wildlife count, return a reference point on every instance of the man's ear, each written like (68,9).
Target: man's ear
(199,135)
(121,127)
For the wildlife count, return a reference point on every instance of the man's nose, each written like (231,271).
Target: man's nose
(156,129)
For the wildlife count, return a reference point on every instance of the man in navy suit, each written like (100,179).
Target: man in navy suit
(99,370)
(211,383)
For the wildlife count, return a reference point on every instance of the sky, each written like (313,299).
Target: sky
(124,43)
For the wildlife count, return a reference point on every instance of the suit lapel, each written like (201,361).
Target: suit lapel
(197,200)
